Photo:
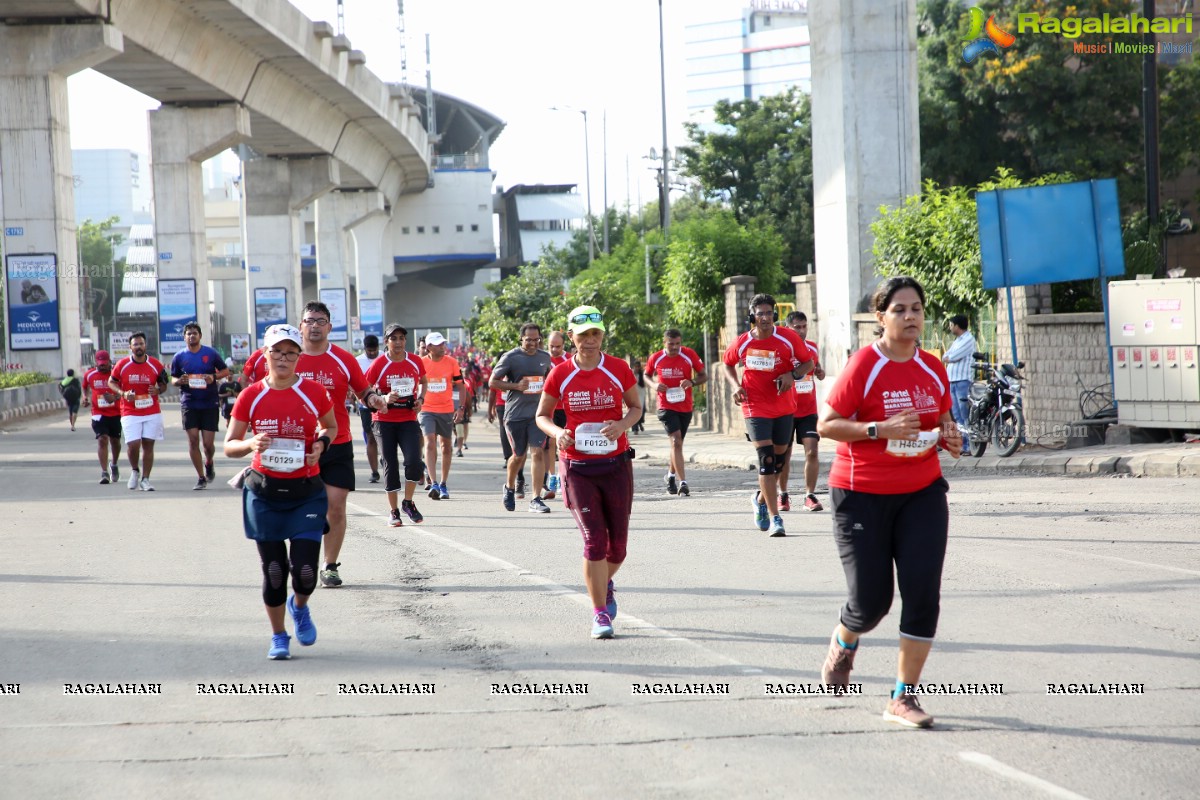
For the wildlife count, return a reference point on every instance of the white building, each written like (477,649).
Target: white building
(761,53)
(113,183)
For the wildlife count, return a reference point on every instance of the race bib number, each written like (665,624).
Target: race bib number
(143,401)
(535,385)
(676,395)
(589,439)
(197,382)
(760,360)
(904,448)
(103,402)
(438,386)
(284,455)
(804,386)
(403,387)
(455,396)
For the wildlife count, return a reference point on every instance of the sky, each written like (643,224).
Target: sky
(515,59)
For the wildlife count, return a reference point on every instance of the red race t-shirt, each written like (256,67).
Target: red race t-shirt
(405,376)
(255,368)
(338,371)
(291,417)
(764,360)
(138,378)
(670,371)
(872,388)
(591,397)
(806,387)
(97,382)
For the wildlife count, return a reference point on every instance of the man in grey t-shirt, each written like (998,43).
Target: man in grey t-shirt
(520,374)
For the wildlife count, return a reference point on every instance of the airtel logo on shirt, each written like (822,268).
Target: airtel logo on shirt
(584,400)
(323,378)
(671,372)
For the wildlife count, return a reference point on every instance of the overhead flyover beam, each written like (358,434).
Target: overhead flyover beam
(305,89)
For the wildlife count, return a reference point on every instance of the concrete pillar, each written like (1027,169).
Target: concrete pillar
(37,196)
(181,140)
(275,190)
(866,148)
(366,219)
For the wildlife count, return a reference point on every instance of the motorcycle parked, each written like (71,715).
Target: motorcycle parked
(995,413)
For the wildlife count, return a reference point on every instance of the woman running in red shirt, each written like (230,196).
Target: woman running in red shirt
(292,419)
(890,411)
(594,452)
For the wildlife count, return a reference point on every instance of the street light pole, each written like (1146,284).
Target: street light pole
(662,73)
(605,151)
(587,168)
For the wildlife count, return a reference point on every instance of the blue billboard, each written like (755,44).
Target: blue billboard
(32,298)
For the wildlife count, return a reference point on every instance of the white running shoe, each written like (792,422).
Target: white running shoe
(134,478)
(145,485)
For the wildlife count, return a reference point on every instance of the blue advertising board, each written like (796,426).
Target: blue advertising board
(32,298)
(370,315)
(176,308)
(270,308)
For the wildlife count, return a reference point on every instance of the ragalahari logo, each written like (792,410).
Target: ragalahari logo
(984,37)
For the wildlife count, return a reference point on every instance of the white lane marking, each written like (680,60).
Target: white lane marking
(556,588)
(1012,773)
(1099,555)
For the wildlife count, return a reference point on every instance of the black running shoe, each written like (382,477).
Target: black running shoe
(672,487)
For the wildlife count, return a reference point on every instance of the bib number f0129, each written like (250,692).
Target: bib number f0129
(284,455)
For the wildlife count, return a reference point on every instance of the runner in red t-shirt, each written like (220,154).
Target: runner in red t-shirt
(291,420)
(140,379)
(338,371)
(768,355)
(106,415)
(672,373)
(805,424)
(594,451)
(890,411)
(400,377)
(255,368)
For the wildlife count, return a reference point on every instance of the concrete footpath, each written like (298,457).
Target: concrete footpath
(709,449)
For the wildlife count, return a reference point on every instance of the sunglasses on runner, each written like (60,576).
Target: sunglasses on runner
(579,319)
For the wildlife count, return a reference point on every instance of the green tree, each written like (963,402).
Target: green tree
(758,159)
(534,294)
(934,237)
(1040,108)
(97,243)
(706,249)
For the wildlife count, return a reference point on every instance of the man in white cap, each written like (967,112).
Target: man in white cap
(441,410)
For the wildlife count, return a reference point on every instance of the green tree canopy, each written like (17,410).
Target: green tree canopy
(97,244)
(758,159)
(1041,108)
(704,251)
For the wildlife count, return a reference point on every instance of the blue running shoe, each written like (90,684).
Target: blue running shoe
(761,518)
(510,502)
(435,491)
(553,483)
(306,631)
(279,647)
(610,602)
(777,527)
(443,492)
(602,626)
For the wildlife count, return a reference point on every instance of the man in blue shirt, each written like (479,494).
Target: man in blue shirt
(958,360)
(196,370)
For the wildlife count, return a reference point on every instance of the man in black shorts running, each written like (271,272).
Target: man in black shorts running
(196,369)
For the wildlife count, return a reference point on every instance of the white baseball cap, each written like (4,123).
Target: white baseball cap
(282,333)
(435,338)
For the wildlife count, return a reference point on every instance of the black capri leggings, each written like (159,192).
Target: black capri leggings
(274,555)
(405,436)
(875,531)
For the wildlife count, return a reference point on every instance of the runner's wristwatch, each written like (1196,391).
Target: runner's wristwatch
(872,431)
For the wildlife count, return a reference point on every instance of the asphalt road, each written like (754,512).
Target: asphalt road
(1048,580)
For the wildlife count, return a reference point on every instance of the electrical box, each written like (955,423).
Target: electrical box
(1155,339)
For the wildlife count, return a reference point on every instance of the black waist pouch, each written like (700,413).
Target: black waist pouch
(269,487)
